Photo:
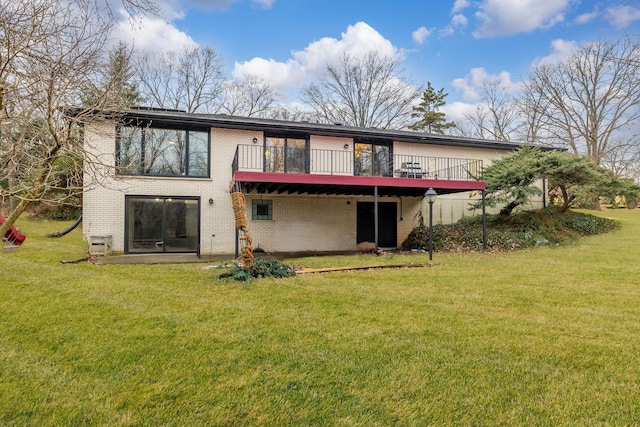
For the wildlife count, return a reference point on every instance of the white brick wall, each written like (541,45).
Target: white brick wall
(300,222)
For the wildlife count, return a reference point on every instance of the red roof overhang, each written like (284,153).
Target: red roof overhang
(295,183)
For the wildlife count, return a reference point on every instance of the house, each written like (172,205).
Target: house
(159,181)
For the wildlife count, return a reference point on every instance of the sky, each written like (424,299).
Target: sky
(453,44)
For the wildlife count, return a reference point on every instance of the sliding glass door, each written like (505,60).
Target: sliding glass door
(372,159)
(162,224)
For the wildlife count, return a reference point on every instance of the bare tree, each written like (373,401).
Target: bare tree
(289,113)
(623,158)
(190,80)
(49,53)
(531,106)
(367,91)
(250,98)
(496,115)
(590,97)
(133,8)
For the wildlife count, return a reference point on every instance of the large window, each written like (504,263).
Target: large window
(286,155)
(372,159)
(162,152)
(162,224)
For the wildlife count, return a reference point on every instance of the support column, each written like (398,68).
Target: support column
(484,220)
(375,216)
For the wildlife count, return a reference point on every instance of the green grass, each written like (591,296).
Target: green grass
(547,336)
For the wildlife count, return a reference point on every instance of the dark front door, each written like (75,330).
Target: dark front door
(387,224)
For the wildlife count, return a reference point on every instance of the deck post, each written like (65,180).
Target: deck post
(484,221)
(375,216)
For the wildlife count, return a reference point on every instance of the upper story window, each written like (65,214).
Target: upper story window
(286,155)
(373,159)
(162,152)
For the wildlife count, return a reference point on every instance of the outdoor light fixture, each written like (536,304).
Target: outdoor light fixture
(211,200)
(346,146)
(255,140)
(431,197)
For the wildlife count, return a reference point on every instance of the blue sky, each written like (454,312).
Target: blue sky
(454,44)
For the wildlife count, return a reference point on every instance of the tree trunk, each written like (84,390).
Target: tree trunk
(13,216)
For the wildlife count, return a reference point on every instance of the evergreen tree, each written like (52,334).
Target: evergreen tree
(430,118)
(116,90)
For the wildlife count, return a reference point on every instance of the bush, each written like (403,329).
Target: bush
(506,233)
(587,225)
(261,268)
(57,212)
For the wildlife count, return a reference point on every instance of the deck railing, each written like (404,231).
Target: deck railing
(257,158)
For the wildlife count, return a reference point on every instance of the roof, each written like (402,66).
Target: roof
(181,118)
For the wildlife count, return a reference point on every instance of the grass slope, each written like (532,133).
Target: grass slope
(546,336)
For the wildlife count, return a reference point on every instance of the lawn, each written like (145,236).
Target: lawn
(547,336)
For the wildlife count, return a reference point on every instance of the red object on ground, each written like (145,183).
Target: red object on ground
(12,234)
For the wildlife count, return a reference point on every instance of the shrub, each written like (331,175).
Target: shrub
(506,233)
(587,225)
(261,268)
(56,212)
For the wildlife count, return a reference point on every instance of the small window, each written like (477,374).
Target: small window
(261,209)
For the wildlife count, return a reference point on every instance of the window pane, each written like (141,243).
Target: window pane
(274,154)
(129,146)
(181,228)
(198,154)
(295,161)
(261,209)
(382,166)
(164,152)
(145,225)
(162,224)
(363,159)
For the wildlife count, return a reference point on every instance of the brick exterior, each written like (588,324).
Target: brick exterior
(299,222)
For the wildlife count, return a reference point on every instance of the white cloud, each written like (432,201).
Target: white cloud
(458,111)
(586,18)
(153,35)
(446,31)
(264,3)
(226,4)
(421,34)
(471,85)
(507,17)
(621,17)
(459,20)
(459,5)
(560,50)
(306,65)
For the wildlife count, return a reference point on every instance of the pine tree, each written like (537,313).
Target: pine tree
(117,89)
(431,119)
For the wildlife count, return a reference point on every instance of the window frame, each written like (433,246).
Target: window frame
(186,158)
(254,209)
(286,148)
(375,166)
(160,245)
